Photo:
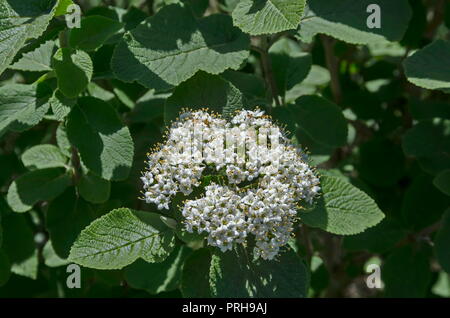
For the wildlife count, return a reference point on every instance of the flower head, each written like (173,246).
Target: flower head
(264,179)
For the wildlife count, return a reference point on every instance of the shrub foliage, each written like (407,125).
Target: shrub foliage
(81,107)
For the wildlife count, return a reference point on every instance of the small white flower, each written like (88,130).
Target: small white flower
(228,213)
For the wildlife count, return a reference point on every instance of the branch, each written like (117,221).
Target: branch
(307,242)
(214,6)
(426,232)
(333,67)
(266,65)
(276,37)
(422,235)
(257,49)
(438,17)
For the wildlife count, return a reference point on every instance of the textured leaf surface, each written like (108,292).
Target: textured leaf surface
(37,185)
(158,277)
(442,242)
(120,237)
(173,45)
(62,141)
(232,274)
(258,17)
(19,21)
(38,60)
(43,156)
(93,33)
(428,67)
(61,105)
(104,143)
(346,20)
(343,209)
(73,71)
(22,106)
(251,85)
(204,90)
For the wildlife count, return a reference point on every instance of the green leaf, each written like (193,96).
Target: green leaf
(346,20)
(62,140)
(51,259)
(94,189)
(130,18)
(321,119)
(61,105)
(37,185)
(73,71)
(442,182)
(61,8)
(423,204)
(317,78)
(19,21)
(251,85)
(232,274)
(428,141)
(171,46)
(93,33)
(158,277)
(104,143)
(43,156)
(343,209)
(442,242)
(5,268)
(22,106)
(195,277)
(204,90)
(19,246)
(258,17)
(67,216)
(145,111)
(290,66)
(442,285)
(424,67)
(119,238)
(28,267)
(406,273)
(38,60)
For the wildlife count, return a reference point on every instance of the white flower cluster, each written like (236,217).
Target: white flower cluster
(264,179)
